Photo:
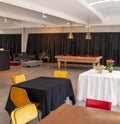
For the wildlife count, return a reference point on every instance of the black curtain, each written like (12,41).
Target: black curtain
(54,43)
(11,42)
(101,44)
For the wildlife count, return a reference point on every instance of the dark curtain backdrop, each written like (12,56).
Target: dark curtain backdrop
(11,42)
(101,44)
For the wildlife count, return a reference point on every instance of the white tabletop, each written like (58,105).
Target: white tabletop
(102,86)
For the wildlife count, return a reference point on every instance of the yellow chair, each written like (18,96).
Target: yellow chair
(20,98)
(24,114)
(18,78)
(60,74)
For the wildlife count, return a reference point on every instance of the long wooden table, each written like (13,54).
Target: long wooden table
(69,114)
(77,59)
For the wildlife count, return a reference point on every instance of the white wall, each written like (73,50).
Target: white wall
(22,31)
(75,29)
(10,31)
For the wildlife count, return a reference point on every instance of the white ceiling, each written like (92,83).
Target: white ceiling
(28,13)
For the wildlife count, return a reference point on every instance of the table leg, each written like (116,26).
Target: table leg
(59,64)
(65,64)
(48,59)
(93,64)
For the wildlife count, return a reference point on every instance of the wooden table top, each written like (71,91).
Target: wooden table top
(69,114)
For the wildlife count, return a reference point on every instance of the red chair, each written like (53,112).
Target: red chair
(98,104)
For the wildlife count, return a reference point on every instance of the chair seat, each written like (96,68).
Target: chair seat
(60,74)
(24,114)
(98,104)
(18,78)
(20,98)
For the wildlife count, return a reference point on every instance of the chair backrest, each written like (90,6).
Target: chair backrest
(60,74)
(19,96)
(24,114)
(98,104)
(18,78)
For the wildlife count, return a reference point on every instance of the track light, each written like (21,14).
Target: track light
(5,20)
(44,26)
(44,16)
(68,22)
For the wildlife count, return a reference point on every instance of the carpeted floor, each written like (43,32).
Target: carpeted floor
(47,69)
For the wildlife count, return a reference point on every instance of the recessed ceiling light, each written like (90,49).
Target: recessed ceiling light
(99,2)
(102,1)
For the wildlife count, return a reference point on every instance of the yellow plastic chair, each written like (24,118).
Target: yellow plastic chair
(20,98)
(18,78)
(24,114)
(60,74)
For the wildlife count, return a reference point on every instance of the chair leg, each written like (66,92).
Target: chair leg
(10,122)
(39,114)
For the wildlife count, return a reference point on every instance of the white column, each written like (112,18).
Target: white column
(24,39)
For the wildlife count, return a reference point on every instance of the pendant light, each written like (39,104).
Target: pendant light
(70,35)
(88,36)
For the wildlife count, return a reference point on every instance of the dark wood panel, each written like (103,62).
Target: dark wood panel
(4,60)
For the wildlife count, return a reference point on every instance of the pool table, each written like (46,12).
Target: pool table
(77,59)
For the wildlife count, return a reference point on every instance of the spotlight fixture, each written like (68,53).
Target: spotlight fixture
(44,16)
(68,22)
(44,26)
(5,20)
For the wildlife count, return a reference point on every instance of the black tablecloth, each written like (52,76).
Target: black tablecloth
(50,92)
